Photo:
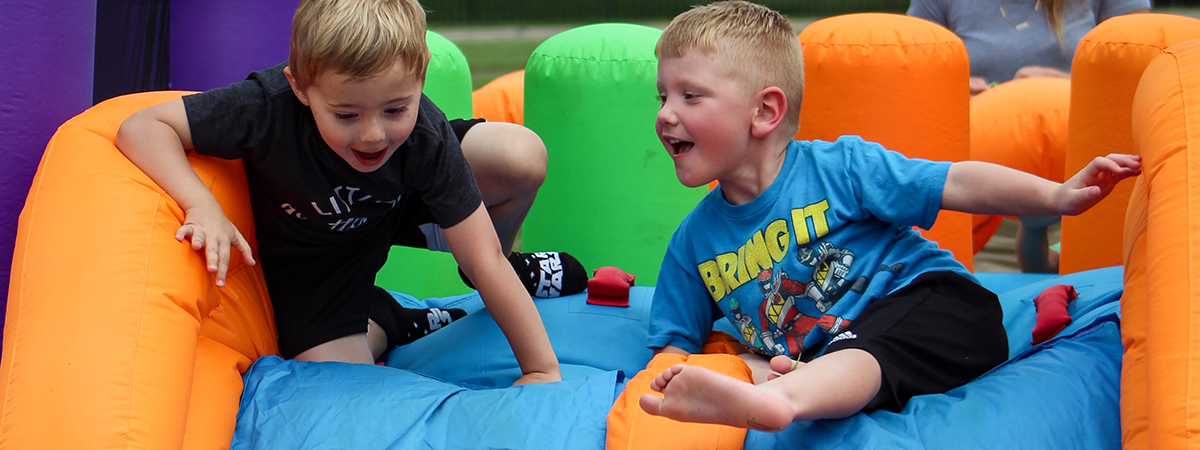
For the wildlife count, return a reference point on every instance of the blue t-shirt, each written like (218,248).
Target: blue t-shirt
(793,267)
(998,45)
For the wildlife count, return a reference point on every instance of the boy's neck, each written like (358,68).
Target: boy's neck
(756,173)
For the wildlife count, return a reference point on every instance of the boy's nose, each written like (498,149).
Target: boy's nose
(666,116)
(372,131)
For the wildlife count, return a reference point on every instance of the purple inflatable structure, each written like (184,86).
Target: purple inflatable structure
(217,42)
(46,61)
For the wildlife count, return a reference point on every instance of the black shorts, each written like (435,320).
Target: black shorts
(326,294)
(938,333)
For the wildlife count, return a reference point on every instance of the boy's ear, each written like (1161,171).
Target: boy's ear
(287,72)
(772,107)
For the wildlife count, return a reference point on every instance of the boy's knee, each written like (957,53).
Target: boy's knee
(506,155)
(524,159)
(528,155)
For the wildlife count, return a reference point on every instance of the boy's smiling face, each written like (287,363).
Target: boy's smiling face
(364,121)
(704,121)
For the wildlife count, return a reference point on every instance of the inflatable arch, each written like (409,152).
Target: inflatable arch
(1161,246)
(1104,74)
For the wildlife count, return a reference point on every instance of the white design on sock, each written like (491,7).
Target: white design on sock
(437,318)
(550,280)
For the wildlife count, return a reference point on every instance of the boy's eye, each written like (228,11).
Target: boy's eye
(662,99)
(398,110)
(345,116)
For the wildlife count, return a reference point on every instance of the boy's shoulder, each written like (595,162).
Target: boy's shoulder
(259,87)
(272,79)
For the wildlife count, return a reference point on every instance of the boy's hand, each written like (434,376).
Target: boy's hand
(1095,181)
(209,229)
(537,377)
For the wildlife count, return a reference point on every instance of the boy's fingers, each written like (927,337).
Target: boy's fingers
(183,232)
(244,247)
(211,255)
(222,264)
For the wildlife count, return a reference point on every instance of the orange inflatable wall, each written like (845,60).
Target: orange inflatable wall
(896,80)
(1021,124)
(116,336)
(502,99)
(1163,411)
(1105,72)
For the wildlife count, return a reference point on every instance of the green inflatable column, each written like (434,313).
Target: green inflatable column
(610,197)
(448,80)
(419,272)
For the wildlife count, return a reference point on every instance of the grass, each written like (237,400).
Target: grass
(492,58)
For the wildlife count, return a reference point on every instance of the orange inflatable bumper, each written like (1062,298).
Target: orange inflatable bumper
(116,336)
(1160,411)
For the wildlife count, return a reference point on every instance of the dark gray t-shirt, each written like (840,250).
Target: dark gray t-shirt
(305,197)
(998,46)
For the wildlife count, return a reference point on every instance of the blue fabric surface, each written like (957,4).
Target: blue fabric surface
(586,338)
(305,405)
(1063,393)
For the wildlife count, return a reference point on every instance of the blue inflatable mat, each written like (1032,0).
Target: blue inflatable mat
(304,405)
(449,389)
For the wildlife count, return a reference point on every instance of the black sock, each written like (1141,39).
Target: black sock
(562,273)
(549,274)
(403,325)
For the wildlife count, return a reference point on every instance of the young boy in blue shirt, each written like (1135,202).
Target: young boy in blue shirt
(808,247)
(344,157)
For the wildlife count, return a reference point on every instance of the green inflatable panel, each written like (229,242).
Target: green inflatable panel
(420,272)
(448,80)
(610,197)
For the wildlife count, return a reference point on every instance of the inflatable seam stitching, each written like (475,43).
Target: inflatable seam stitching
(1118,44)
(577,58)
(138,332)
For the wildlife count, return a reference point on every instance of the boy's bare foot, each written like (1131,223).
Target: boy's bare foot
(696,394)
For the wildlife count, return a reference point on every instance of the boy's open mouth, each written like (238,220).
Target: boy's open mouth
(370,158)
(678,147)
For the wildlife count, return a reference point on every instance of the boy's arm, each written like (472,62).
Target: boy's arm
(671,349)
(477,250)
(156,139)
(983,188)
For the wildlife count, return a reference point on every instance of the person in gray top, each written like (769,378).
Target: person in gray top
(1015,39)
(1009,39)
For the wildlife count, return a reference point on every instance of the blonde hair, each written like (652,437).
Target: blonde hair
(1055,10)
(756,43)
(357,38)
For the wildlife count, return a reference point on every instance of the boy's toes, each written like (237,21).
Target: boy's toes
(651,404)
